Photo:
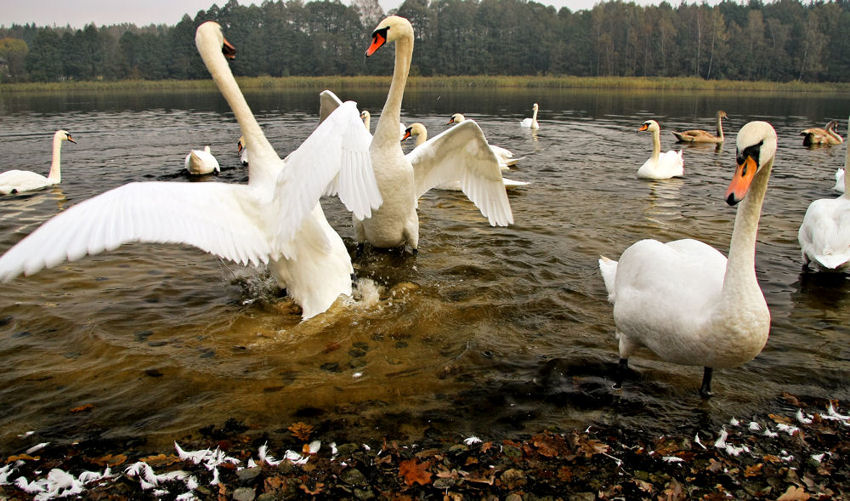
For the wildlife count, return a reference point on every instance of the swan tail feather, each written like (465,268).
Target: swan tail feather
(608,268)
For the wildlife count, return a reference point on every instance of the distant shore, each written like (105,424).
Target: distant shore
(418,82)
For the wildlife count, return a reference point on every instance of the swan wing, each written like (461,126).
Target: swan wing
(328,102)
(21,180)
(219,218)
(462,153)
(824,235)
(334,160)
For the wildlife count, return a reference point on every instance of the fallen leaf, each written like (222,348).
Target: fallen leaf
(273,484)
(673,492)
(643,485)
(415,472)
(109,460)
(754,470)
(82,408)
(794,493)
(313,492)
(301,431)
(160,460)
(22,457)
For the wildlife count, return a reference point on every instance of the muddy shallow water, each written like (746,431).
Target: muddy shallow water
(487,330)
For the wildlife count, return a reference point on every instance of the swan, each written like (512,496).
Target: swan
(16,181)
(839,181)
(701,136)
(531,123)
(274,219)
(505,156)
(824,235)
(200,162)
(242,150)
(685,301)
(459,153)
(660,166)
(826,136)
(419,131)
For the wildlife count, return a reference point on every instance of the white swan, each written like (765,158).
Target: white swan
(274,219)
(824,235)
(419,131)
(685,301)
(200,162)
(531,123)
(660,165)
(504,156)
(16,181)
(402,181)
(242,150)
(839,181)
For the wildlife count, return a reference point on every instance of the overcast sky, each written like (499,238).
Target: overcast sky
(78,13)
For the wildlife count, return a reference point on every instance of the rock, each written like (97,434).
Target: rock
(244,494)
(248,475)
(353,476)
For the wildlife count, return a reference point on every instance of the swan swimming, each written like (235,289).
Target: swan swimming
(701,136)
(402,180)
(17,181)
(660,165)
(275,219)
(684,300)
(531,123)
(200,162)
(824,234)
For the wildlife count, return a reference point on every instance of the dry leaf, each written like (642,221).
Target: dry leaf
(110,460)
(673,492)
(273,484)
(794,493)
(313,492)
(22,457)
(415,472)
(300,430)
(82,408)
(754,470)
(643,485)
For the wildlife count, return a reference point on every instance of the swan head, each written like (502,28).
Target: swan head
(209,35)
(722,114)
(389,30)
(650,125)
(755,148)
(365,115)
(534,107)
(64,135)
(240,145)
(415,129)
(456,119)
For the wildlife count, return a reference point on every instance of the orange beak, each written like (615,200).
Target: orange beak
(451,121)
(744,174)
(406,135)
(378,40)
(228,50)
(239,146)
(643,127)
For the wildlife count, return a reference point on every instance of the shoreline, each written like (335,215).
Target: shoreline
(419,82)
(795,454)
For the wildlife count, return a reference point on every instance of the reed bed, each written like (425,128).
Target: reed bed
(437,82)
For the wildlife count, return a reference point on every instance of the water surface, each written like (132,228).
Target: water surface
(492,331)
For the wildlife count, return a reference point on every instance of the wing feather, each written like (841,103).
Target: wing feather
(221,219)
(462,153)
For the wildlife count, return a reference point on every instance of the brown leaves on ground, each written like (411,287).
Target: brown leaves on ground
(794,493)
(301,431)
(413,471)
(110,460)
(82,408)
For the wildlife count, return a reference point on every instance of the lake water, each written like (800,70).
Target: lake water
(489,331)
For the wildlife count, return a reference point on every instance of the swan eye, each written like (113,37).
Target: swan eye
(753,152)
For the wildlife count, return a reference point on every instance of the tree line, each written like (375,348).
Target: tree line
(778,41)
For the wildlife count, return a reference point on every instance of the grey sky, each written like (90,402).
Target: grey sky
(78,13)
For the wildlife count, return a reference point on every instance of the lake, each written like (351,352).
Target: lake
(496,332)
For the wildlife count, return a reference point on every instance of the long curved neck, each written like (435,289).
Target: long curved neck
(260,172)
(719,126)
(740,278)
(421,137)
(388,124)
(534,115)
(656,144)
(55,174)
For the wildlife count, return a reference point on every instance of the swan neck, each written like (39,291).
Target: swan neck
(534,115)
(55,174)
(847,172)
(656,144)
(740,268)
(255,140)
(389,122)
(421,138)
(719,127)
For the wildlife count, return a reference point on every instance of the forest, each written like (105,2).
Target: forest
(779,41)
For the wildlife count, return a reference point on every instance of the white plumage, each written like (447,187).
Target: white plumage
(504,156)
(17,181)
(660,165)
(201,162)
(531,123)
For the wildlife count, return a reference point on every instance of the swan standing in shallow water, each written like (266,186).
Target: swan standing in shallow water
(824,235)
(660,165)
(419,131)
(403,180)
(274,219)
(16,181)
(505,157)
(701,136)
(685,301)
(531,123)
(200,162)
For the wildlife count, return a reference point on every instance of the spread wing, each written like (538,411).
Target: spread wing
(333,160)
(221,219)
(462,154)
(328,102)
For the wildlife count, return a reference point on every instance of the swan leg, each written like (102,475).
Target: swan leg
(622,370)
(705,389)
